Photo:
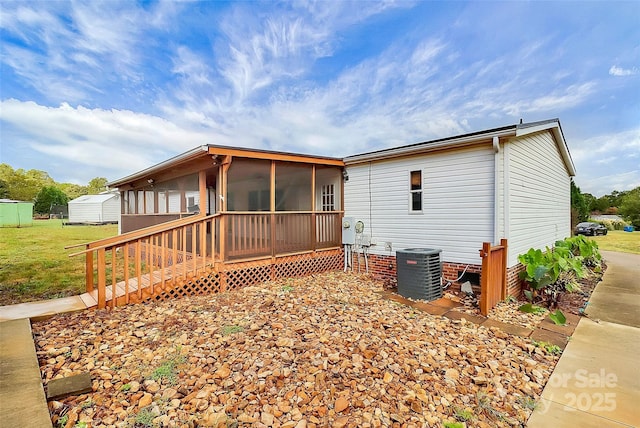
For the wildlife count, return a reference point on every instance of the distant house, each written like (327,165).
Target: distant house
(95,209)
(455,193)
(15,213)
(608,217)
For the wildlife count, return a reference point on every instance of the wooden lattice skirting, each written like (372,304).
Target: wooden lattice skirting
(231,276)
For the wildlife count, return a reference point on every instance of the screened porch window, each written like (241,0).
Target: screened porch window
(248,186)
(293,184)
(415,191)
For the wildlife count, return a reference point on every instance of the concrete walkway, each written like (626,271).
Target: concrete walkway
(596,383)
(43,309)
(22,399)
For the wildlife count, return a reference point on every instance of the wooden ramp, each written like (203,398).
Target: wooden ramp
(150,284)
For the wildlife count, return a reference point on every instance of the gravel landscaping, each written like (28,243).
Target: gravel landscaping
(325,350)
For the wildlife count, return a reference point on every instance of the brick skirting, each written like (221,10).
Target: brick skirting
(383,268)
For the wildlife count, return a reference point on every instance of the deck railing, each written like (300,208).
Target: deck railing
(140,264)
(493,280)
(250,234)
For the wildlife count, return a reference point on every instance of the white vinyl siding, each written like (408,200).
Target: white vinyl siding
(538,194)
(457,202)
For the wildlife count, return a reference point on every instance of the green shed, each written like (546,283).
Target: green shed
(15,213)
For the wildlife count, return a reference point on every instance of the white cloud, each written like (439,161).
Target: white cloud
(110,143)
(75,47)
(597,157)
(618,71)
(251,76)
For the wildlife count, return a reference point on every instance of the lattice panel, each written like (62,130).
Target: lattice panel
(238,278)
(239,275)
(208,284)
(296,266)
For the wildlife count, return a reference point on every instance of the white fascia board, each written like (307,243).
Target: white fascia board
(554,127)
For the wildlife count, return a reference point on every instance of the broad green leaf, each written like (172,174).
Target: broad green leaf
(558,317)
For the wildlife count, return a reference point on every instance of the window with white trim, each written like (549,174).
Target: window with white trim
(415,191)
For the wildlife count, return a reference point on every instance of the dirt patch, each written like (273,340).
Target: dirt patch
(326,350)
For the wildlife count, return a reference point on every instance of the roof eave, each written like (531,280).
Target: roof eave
(429,146)
(191,154)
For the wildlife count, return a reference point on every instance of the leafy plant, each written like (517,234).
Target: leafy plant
(453,425)
(287,288)
(551,273)
(531,309)
(80,425)
(126,387)
(558,317)
(586,250)
(511,299)
(549,348)
(62,421)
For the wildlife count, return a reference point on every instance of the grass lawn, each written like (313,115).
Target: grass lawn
(34,264)
(617,240)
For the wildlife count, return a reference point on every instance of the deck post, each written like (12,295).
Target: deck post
(102,280)
(503,294)
(484,278)
(89,271)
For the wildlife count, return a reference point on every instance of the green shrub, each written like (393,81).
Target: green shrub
(551,273)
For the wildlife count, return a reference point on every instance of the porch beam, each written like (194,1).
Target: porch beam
(274,156)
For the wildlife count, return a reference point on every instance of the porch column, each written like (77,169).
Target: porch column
(313,209)
(202,188)
(222,175)
(272,204)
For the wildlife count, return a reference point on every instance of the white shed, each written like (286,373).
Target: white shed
(102,208)
(455,193)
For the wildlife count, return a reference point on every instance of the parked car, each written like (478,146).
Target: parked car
(590,229)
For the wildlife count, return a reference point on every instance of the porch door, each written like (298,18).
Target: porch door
(211,200)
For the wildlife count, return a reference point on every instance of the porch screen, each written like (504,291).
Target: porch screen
(293,186)
(175,196)
(248,187)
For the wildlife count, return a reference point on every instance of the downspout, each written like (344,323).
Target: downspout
(506,192)
(496,153)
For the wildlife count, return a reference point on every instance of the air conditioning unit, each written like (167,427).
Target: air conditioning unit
(418,273)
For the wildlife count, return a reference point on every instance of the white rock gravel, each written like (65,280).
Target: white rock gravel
(325,350)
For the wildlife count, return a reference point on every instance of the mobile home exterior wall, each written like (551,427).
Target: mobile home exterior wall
(458,202)
(536,193)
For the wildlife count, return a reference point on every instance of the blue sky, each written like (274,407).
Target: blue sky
(104,89)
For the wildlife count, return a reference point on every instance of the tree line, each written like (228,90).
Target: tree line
(626,204)
(38,187)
